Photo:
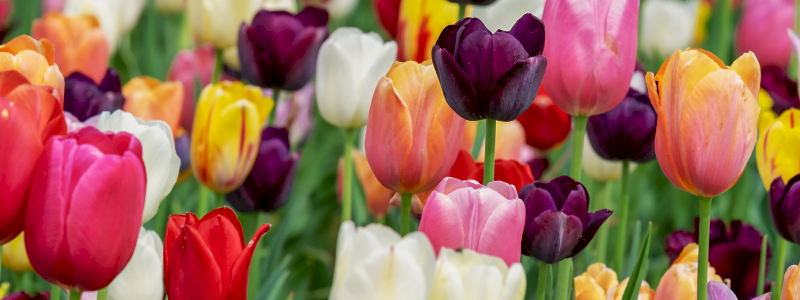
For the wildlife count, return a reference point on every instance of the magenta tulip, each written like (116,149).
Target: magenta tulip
(465,214)
(591,53)
(85,208)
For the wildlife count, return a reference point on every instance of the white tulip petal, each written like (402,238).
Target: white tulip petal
(468,275)
(385,275)
(516,283)
(143,277)
(336,97)
(667,25)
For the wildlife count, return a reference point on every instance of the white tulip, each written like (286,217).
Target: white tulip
(161,162)
(143,277)
(667,25)
(504,13)
(599,168)
(285,5)
(218,21)
(116,17)
(374,262)
(349,66)
(466,274)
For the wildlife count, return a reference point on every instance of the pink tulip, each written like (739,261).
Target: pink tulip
(762,30)
(465,214)
(85,208)
(590,48)
(188,67)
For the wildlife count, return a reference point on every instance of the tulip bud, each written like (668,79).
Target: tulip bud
(464,272)
(546,125)
(502,14)
(791,284)
(80,43)
(626,132)
(84,98)
(387,13)
(36,64)
(217,21)
(762,30)
(150,99)
(784,208)
(593,284)
(15,257)
(778,149)
(143,277)
(512,172)
(645,292)
(680,280)
(667,25)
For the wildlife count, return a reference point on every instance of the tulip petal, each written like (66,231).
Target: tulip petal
(747,67)
(514,91)
(515,283)
(397,267)
(554,234)
(596,219)
(503,228)
(335,68)
(456,85)
(240,271)
(193,273)
(441,222)
(388,138)
(529,30)
(223,234)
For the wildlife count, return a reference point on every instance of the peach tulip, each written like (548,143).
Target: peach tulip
(791,284)
(150,99)
(707,119)
(412,134)
(600,283)
(33,59)
(80,42)
(680,280)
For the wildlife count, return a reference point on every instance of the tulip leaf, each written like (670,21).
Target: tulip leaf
(640,270)
(636,242)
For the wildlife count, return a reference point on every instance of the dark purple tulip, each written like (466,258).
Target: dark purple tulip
(734,251)
(626,132)
(720,291)
(270,182)
(183,145)
(84,98)
(784,208)
(280,49)
(781,88)
(25,296)
(538,166)
(558,223)
(485,75)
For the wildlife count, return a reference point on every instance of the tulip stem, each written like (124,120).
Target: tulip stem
(541,288)
(202,202)
(602,234)
(762,266)
(405,213)
(564,279)
(578,131)
(217,67)
(347,185)
(75,295)
(276,96)
(622,234)
(462,11)
(101,294)
(55,292)
(488,160)
(702,261)
(776,294)
(480,134)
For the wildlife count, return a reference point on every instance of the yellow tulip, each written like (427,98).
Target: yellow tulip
(419,25)
(645,292)
(15,257)
(35,60)
(778,148)
(680,280)
(4,289)
(227,133)
(767,116)
(600,283)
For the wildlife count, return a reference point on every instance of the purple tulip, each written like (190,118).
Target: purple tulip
(784,208)
(183,145)
(485,75)
(84,99)
(538,166)
(734,252)
(270,181)
(720,291)
(280,49)
(26,296)
(626,132)
(781,88)
(558,224)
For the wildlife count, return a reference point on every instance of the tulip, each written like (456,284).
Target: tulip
(346,78)
(279,50)
(191,67)
(161,161)
(464,274)
(720,291)
(37,65)
(766,296)
(296,114)
(150,99)
(24,296)
(546,126)
(387,13)
(781,94)
(538,166)
(143,277)
(645,292)
(338,9)
(503,14)
(80,43)
(626,132)
(791,287)
(15,257)
(667,25)
(558,224)
(598,168)
(783,208)
(29,115)
(373,262)
(5,13)
(509,144)
(84,98)
(509,171)
(419,25)
(216,21)
(762,30)
(777,149)
(207,258)
(509,89)
(378,196)
(116,17)
(183,146)
(94,205)
(270,181)
(227,122)
(600,283)
(680,280)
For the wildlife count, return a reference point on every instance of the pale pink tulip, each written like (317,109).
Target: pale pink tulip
(191,67)
(762,30)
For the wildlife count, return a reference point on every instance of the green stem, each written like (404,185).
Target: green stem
(255,266)
(405,213)
(217,67)
(762,266)
(602,234)
(75,295)
(541,288)
(564,279)
(622,234)
(480,134)
(276,96)
(202,203)
(702,261)
(102,294)
(776,291)
(488,160)
(462,11)
(347,184)
(381,220)
(55,292)
(577,146)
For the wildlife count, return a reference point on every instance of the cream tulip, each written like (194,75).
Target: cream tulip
(217,21)
(350,64)
(466,274)
(667,25)
(598,168)
(503,14)
(117,17)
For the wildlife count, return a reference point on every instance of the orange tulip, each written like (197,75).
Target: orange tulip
(680,280)
(80,42)
(150,99)
(707,119)
(791,284)
(378,196)
(412,134)
(34,60)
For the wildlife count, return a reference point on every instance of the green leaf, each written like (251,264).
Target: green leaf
(635,281)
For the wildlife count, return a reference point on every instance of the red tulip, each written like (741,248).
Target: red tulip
(508,171)
(85,208)
(28,116)
(207,258)
(387,12)
(546,125)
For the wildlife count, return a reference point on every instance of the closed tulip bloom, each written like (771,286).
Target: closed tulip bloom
(280,49)
(15,257)
(84,98)
(419,25)
(80,43)
(29,115)
(626,132)
(217,21)
(410,122)
(227,132)
(762,30)
(680,280)
(558,224)
(791,284)
(207,258)
(477,86)
(503,14)
(161,161)
(777,151)
(150,99)
(191,67)
(590,59)
(387,12)
(783,208)
(546,125)
(378,196)
(707,119)
(465,274)
(95,205)
(143,277)
(350,64)
(374,262)
(667,25)
(35,60)
(270,181)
